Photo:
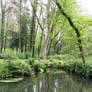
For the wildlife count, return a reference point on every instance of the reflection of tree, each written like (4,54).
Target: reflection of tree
(43,84)
(81,89)
(62,82)
(50,82)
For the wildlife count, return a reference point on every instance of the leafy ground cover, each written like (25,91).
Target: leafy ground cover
(15,68)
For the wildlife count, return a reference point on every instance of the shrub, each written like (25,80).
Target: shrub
(21,67)
(4,71)
(65,57)
(38,66)
(55,57)
(56,63)
(8,56)
(27,55)
(80,69)
(10,69)
(31,61)
(20,55)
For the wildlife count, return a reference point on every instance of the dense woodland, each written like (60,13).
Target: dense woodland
(43,28)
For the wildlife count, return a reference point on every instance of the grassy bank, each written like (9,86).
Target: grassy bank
(75,65)
(12,66)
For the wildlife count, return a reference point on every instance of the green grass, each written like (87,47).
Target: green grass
(89,60)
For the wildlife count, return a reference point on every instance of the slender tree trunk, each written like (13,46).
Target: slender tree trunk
(25,48)
(33,28)
(39,47)
(50,47)
(5,41)
(20,27)
(45,48)
(6,34)
(76,30)
(48,30)
(2,25)
(51,42)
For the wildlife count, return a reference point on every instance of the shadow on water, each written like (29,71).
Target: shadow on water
(49,82)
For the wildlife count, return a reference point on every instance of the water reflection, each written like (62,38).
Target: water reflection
(50,82)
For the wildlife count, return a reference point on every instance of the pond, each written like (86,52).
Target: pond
(53,81)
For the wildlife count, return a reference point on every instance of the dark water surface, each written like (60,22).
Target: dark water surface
(49,82)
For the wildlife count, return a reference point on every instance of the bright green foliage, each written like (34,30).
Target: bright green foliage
(13,54)
(69,6)
(54,64)
(65,58)
(37,65)
(31,61)
(8,56)
(11,69)
(81,69)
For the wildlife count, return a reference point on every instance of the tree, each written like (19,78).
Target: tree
(2,24)
(24,31)
(20,49)
(75,28)
(33,28)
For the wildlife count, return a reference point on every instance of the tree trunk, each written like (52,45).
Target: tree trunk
(39,47)
(45,48)
(76,30)
(49,47)
(33,28)
(20,28)
(2,25)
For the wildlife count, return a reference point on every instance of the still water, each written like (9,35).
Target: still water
(54,81)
